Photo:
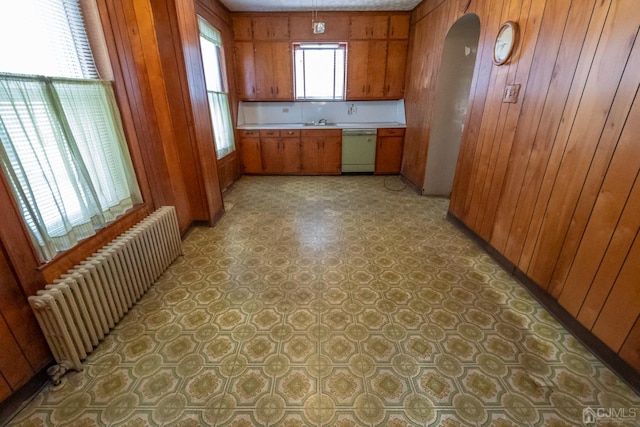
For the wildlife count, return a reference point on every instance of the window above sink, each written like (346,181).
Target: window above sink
(319,71)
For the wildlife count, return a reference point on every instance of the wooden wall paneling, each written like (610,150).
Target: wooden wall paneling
(13,365)
(5,390)
(623,117)
(15,238)
(172,37)
(147,46)
(218,9)
(596,105)
(490,133)
(544,135)
(424,8)
(560,135)
(622,306)
(198,102)
(610,263)
(478,93)
(533,98)
(530,18)
(429,34)
(630,350)
(220,17)
(19,318)
(144,81)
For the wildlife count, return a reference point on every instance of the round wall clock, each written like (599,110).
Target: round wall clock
(505,42)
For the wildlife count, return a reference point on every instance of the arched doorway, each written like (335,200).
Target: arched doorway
(451,101)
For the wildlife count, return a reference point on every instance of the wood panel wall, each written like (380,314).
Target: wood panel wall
(550,182)
(152,45)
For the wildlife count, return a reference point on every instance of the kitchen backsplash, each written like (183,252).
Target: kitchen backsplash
(334,112)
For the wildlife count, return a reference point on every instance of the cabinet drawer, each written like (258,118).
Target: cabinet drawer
(322,132)
(290,133)
(246,133)
(269,133)
(391,132)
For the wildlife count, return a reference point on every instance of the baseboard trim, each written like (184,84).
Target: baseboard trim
(607,356)
(10,407)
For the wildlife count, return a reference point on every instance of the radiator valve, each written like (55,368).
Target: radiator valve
(56,372)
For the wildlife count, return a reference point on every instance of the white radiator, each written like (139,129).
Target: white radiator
(79,309)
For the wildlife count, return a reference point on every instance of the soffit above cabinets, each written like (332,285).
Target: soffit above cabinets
(310,5)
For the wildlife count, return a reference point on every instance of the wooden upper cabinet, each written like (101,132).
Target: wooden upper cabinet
(396,69)
(366,69)
(369,27)
(336,28)
(273,71)
(242,28)
(399,26)
(270,28)
(245,70)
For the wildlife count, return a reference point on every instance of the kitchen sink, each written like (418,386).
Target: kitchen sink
(319,124)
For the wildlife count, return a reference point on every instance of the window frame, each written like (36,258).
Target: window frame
(320,46)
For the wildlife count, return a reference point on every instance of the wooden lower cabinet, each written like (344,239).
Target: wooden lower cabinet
(292,151)
(321,151)
(250,149)
(280,155)
(280,151)
(389,146)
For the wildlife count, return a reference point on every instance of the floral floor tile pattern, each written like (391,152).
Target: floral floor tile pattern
(334,301)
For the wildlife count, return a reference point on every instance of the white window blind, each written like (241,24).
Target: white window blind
(217,90)
(62,148)
(319,71)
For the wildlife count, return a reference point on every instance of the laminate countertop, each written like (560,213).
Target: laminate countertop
(368,125)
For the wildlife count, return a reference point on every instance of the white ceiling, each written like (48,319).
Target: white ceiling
(309,5)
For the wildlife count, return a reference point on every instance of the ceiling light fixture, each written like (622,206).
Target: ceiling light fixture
(318,26)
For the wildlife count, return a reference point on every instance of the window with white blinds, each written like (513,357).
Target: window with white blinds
(217,90)
(62,150)
(319,70)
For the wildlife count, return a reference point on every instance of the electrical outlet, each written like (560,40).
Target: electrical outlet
(511,94)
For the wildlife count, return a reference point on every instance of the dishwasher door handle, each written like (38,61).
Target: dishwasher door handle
(356,132)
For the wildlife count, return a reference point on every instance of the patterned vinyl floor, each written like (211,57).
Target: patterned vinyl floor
(335,301)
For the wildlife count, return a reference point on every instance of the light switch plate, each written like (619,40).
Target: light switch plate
(511,94)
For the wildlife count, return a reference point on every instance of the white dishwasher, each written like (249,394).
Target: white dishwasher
(358,150)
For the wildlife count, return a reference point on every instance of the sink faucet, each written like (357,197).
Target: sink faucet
(322,122)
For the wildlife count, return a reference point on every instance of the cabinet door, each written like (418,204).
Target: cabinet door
(369,27)
(399,26)
(242,28)
(290,155)
(245,69)
(379,25)
(274,74)
(389,154)
(331,162)
(251,159)
(376,69)
(309,155)
(282,69)
(396,68)
(359,27)
(357,69)
(271,155)
(263,74)
(270,28)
